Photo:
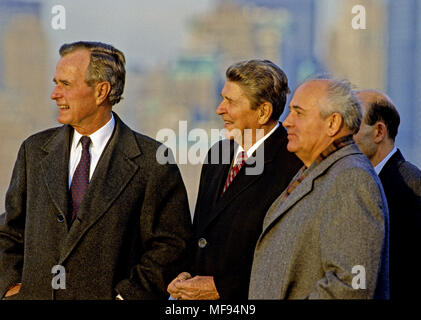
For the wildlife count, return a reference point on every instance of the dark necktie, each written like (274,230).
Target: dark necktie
(80,180)
(241,159)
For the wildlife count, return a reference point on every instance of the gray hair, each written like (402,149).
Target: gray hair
(106,64)
(340,98)
(262,81)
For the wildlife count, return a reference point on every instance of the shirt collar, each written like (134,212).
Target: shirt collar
(257,143)
(99,138)
(380,166)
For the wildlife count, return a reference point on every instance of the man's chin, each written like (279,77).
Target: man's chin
(228,136)
(63,120)
(291,147)
(237,138)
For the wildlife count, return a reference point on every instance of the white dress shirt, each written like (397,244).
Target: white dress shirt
(380,166)
(256,144)
(99,140)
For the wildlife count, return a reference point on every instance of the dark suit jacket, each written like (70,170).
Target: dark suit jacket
(130,232)
(401,181)
(227,227)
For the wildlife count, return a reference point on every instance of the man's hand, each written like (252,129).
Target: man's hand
(172,289)
(184,287)
(13,290)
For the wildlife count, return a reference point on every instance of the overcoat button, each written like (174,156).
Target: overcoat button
(202,243)
(60,218)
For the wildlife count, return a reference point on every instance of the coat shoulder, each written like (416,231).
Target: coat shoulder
(410,171)
(156,153)
(42,137)
(352,163)
(353,169)
(147,142)
(412,176)
(399,171)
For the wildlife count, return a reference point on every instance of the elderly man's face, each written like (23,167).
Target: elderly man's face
(74,98)
(307,130)
(236,112)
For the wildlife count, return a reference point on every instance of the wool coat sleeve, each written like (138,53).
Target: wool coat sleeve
(12,233)
(354,216)
(165,231)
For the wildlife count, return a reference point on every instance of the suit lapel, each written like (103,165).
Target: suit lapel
(216,173)
(243,181)
(280,207)
(55,166)
(394,162)
(114,171)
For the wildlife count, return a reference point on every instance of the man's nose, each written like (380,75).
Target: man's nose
(287,122)
(221,108)
(56,93)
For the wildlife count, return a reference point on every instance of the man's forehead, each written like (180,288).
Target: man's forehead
(309,93)
(315,87)
(232,89)
(73,63)
(79,58)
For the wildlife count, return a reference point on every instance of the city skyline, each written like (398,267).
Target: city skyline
(177,55)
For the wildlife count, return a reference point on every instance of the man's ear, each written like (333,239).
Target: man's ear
(334,124)
(379,132)
(102,90)
(264,112)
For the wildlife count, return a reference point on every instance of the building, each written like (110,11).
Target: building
(24,105)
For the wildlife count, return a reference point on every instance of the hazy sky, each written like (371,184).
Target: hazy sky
(147,31)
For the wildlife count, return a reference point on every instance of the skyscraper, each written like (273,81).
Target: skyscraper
(404,72)
(359,55)
(297,56)
(23,92)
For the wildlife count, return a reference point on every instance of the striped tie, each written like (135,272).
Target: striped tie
(239,162)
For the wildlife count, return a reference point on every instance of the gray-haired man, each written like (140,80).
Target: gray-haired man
(89,199)
(229,214)
(326,236)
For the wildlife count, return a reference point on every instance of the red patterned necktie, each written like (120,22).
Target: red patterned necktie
(241,159)
(80,180)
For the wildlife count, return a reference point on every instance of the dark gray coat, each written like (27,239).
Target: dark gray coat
(401,181)
(230,225)
(130,233)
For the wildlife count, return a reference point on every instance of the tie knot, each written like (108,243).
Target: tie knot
(85,141)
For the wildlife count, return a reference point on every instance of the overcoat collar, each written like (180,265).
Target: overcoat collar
(55,167)
(394,162)
(280,207)
(113,172)
(271,147)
